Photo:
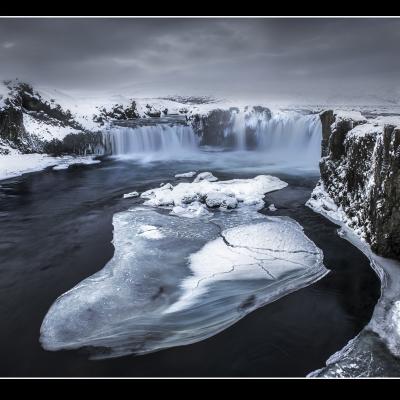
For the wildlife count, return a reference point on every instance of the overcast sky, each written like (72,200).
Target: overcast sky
(263,58)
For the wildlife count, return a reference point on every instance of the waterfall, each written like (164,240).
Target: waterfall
(281,131)
(283,136)
(159,138)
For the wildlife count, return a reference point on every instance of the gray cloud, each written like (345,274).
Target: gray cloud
(263,58)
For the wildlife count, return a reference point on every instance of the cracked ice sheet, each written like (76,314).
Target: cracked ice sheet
(128,306)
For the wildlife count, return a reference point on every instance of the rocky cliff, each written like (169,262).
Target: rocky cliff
(30,123)
(360,177)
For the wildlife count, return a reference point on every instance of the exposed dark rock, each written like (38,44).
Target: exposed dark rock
(361,173)
(88,143)
(211,127)
(12,130)
(117,112)
(266,112)
(327,119)
(154,114)
(191,99)
(217,127)
(23,100)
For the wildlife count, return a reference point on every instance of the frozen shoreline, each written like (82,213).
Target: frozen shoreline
(374,351)
(16,164)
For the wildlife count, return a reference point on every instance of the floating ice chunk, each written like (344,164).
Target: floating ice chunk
(67,161)
(223,200)
(60,167)
(131,195)
(190,174)
(249,192)
(272,207)
(194,283)
(205,176)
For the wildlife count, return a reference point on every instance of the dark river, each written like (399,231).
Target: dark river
(56,229)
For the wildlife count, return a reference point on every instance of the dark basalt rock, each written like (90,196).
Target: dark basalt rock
(12,130)
(216,128)
(154,114)
(117,112)
(361,173)
(89,143)
(327,119)
(263,110)
(211,127)
(22,100)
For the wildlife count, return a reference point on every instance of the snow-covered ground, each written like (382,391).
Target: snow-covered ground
(46,131)
(15,163)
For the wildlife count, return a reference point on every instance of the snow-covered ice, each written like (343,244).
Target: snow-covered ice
(189,285)
(130,195)
(268,251)
(225,194)
(190,174)
(207,176)
(15,163)
(170,283)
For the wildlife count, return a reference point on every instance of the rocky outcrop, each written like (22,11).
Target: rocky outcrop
(360,171)
(89,143)
(220,127)
(211,127)
(21,104)
(116,112)
(12,130)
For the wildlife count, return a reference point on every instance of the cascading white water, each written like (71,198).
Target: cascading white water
(159,138)
(282,137)
(284,130)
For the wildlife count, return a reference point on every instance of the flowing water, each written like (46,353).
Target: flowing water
(56,230)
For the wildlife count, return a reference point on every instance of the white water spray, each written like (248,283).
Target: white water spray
(160,138)
(283,131)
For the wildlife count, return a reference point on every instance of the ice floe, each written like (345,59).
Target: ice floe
(190,174)
(171,283)
(207,176)
(223,194)
(130,195)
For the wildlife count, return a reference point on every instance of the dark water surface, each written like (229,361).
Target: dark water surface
(56,229)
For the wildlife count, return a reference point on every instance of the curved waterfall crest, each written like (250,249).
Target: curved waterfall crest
(274,131)
(283,134)
(125,140)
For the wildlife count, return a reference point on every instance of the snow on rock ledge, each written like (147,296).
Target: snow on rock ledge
(374,352)
(360,171)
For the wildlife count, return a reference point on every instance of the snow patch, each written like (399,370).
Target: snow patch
(224,194)
(130,195)
(15,163)
(190,174)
